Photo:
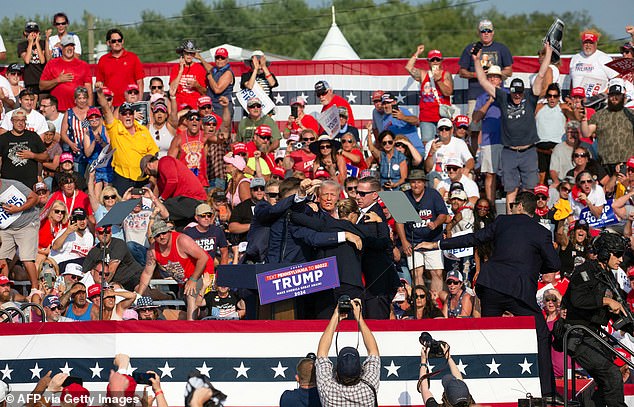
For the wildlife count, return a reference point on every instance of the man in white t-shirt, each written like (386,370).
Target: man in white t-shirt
(443,147)
(35,121)
(3,50)
(60,21)
(587,68)
(453,167)
(7,98)
(72,244)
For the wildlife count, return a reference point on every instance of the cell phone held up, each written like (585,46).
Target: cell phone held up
(142,377)
(477,47)
(294,111)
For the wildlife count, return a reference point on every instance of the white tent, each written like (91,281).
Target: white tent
(335,46)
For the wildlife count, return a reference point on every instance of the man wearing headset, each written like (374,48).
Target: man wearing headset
(591,301)
(351,384)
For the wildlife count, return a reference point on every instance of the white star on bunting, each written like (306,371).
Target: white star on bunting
(462,367)
(493,367)
(352,98)
(304,97)
(96,371)
(526,367)
(279,370)
(204,370)
(6,372)
(279,99)
(66,369)
(35,372)
(392,369)
(241,370)
(166,370)
(400,98)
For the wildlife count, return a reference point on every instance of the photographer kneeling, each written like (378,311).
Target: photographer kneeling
(352,384)
(593,299)
(456,393)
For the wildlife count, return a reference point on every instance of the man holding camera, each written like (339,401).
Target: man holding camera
(593,299)
(351,383)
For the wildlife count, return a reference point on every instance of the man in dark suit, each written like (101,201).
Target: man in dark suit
(522,249)
(381,278)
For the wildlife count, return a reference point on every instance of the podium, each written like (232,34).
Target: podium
(243,277)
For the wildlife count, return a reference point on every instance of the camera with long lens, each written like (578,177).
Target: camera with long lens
(435,347)
(344,304)
(625,323)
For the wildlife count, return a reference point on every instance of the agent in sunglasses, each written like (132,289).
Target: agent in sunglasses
(591,300)
(493,53)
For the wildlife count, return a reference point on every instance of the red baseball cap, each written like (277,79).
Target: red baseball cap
(238,148)
(75,394)
(132,86)
(321,173)
(434,53)
(5,280)
(578,92)
(588,36)
(264,131)
(461,120)
(541,189)
(279,171)
(107,91)
(630,162)
(93,111)
(94,290)
(63,157)
(626,354)
(376,95)
(203,101)
(222,52)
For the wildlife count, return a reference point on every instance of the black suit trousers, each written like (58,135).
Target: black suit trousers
(495,303)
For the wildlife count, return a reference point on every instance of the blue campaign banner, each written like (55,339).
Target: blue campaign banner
(352,170)
(607,216)
(299,279)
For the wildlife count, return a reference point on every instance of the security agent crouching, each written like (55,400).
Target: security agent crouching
(305,395)
(592,300)
(352,383)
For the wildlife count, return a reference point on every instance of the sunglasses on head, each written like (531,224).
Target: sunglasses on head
(387,142)
(364,193)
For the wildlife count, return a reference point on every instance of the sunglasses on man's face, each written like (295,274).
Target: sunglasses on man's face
(350,189)
(552,95)
(585,181)
(273,195)
(257,189)
(308,140)
(116,40)
(486,31)
(452,282)
(221,58)
(364,193)
(159,87)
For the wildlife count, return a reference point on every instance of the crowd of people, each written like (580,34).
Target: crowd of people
(204,191)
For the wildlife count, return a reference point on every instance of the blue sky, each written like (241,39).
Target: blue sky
(609,15)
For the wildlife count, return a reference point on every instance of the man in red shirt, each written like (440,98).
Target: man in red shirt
(327,98)
(302,159)
(189,146)
(189,76)
(118,68)
(63,75)
(261,142)
(179,188)
(181,258)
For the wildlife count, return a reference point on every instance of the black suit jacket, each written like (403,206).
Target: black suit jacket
(522,249)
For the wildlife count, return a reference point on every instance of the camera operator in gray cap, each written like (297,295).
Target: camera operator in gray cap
(352,383)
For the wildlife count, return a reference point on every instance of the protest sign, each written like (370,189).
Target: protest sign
(12,196)
(257,92)
(329,120)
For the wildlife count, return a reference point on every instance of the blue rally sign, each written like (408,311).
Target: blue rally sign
(299,279)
